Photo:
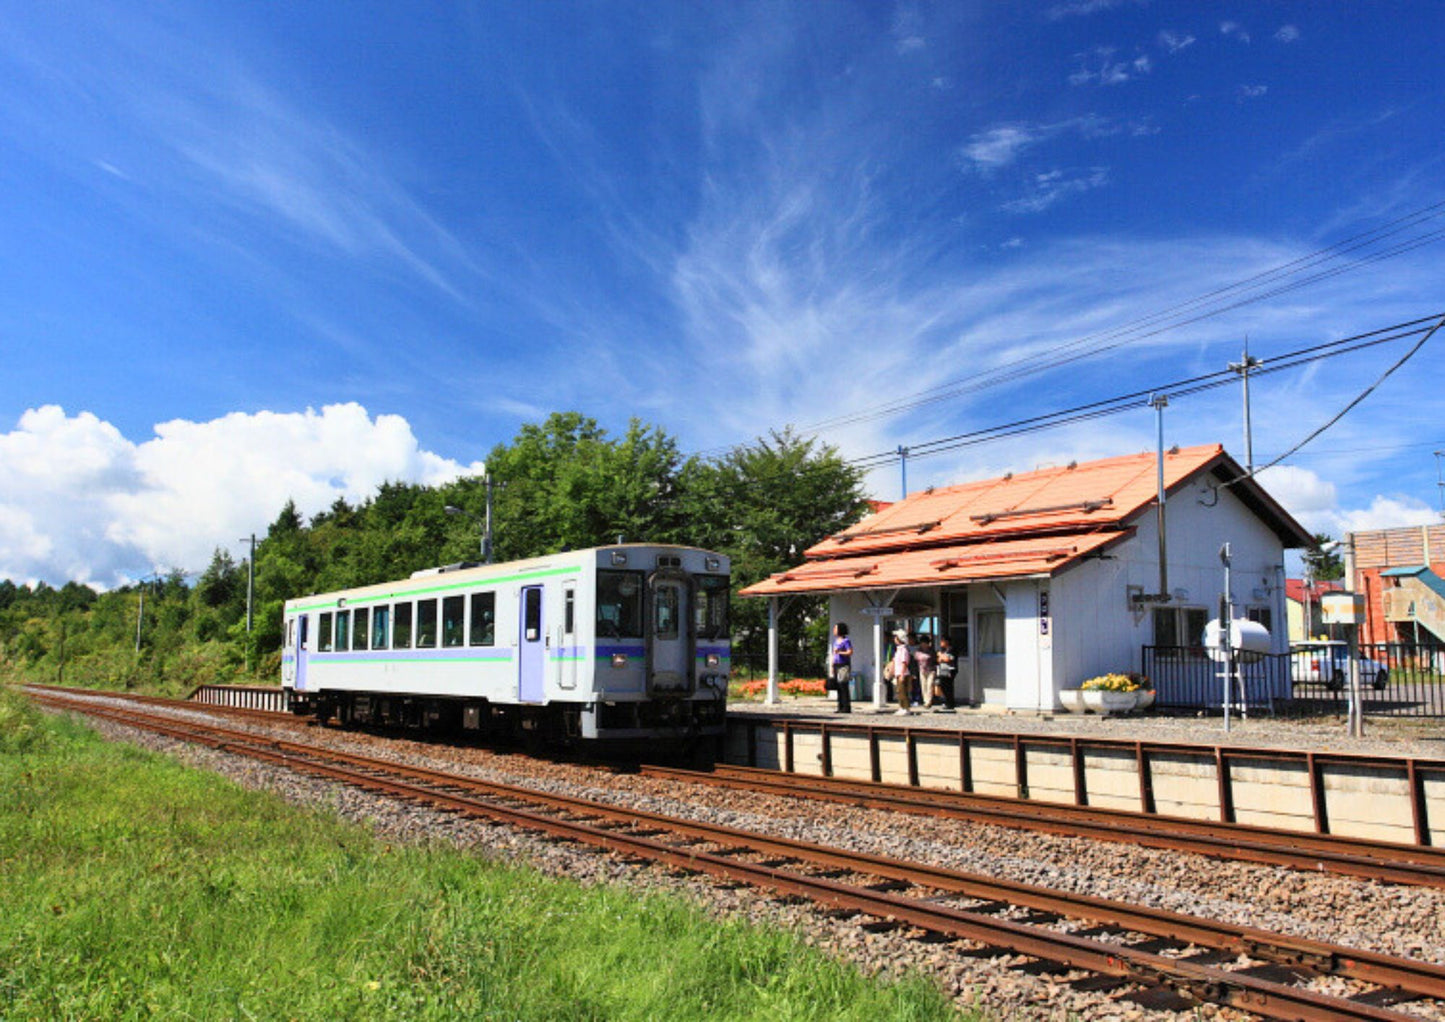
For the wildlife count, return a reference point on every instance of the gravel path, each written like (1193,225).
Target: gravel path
(1399,920)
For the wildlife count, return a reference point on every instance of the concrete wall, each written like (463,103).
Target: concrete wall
(1361,799)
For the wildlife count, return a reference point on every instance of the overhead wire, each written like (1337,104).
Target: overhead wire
(1277,280)
(1178,388)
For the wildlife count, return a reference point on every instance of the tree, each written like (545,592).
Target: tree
(764,504)
(1323,565)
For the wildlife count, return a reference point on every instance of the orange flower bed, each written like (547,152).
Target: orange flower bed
(793,687)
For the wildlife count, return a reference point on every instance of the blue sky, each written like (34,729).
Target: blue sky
(259,251)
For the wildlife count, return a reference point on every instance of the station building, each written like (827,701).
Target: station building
(1046,578)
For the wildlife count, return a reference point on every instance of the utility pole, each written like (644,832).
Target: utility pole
(1159,402)
(1242,367)
(903,461)
(250,597)
(487,528)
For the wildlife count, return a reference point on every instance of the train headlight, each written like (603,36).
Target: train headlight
(713,660)
(619,659)
(713,564)
(618,558)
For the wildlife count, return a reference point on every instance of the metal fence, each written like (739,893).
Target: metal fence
(1396,680)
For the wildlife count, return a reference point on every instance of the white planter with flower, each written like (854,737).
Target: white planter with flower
(1116,693)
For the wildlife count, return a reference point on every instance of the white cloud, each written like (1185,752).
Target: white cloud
(1049,188)
(1175,41)
(908,30)
(1000,146)
(1235,30)
(1251,91)
(88,504)
(1287,33)
(1079,8)
(1099,67)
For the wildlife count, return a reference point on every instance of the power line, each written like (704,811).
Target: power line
(1297,273)
(1177,388)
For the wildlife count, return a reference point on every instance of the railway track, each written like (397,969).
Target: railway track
(1374,860)
(1158,958)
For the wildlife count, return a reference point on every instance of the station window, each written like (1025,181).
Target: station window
(453,620)
(426,624)
(343,629)
(1260,615)
(955,611)
(360,633)
(992,637)
(1180,627)
(401,628)
(380,620)
(484,619)
(323,633)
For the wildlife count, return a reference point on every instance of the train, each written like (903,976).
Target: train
(622,645)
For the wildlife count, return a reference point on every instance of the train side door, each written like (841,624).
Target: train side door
(531,646)
(567,652)
(303,633)
(670,653)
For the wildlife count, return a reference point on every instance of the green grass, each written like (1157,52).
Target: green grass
(133,887)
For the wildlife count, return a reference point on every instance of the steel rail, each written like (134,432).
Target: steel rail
(1421,979)
(1396,863)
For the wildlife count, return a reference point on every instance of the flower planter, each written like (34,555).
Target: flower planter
(1105,701)
(1072,699)
(1146,698)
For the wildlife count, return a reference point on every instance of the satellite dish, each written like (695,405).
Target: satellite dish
(1251,640)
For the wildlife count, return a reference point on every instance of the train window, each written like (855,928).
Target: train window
(360,633)
(323,633)
(380,620)
(291,633)
(712,607)
(664,608)
(532,614)
(454,610)
(426,624)
(619,604)
(343,629)
(484,619)
(302,637)
(569,613)
(401,627)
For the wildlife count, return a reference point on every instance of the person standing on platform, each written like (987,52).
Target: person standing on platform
(902,671)
(925,667)
(843,667)
(947,668)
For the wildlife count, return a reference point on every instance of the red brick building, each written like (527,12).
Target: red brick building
(1401,573)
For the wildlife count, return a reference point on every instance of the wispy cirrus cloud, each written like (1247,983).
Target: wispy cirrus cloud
(1250,92)
(999,146)
(1175,41)
(1234,30)
(1287,34)
(1051,187)
(1098,67)
(1083,8)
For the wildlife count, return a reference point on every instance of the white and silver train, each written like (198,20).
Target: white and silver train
(617,643)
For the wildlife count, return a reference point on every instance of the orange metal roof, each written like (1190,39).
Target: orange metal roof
(1032,523)
(1083,496)
(1004,558)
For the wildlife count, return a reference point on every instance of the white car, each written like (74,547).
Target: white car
(1328,664)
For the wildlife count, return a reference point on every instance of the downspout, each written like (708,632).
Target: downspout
(1160,402)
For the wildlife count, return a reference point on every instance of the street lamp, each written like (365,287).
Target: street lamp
(1311,581)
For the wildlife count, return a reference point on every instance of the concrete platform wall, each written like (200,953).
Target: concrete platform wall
(1397,800)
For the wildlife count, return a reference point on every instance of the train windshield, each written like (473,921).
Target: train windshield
(712,606)
(619,604)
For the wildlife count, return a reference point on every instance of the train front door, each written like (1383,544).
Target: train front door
(670,652)
(531,646)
